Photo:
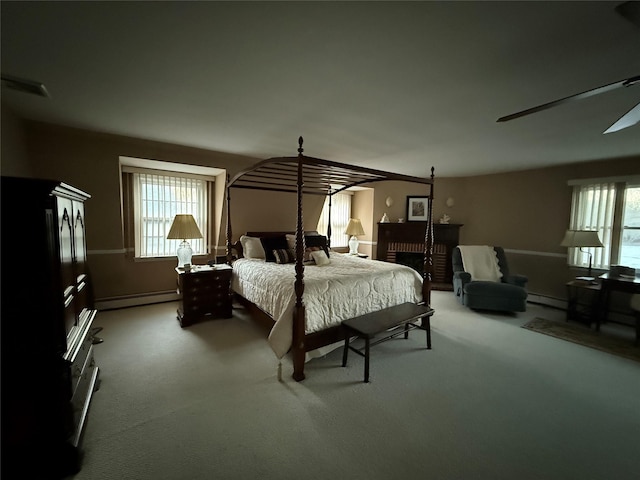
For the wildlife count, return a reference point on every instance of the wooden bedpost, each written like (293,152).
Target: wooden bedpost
(427,266)
(229,253)
(298,347)
(329,220)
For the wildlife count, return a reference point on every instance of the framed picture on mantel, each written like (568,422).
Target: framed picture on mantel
(417,209)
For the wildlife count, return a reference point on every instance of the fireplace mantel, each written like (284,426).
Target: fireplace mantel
(406,238)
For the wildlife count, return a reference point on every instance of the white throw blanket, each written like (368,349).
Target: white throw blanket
(481,261)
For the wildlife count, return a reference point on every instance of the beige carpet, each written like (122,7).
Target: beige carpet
(490,401)
(605,341)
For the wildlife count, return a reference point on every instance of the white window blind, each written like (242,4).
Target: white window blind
(592,208)
(157,200)
(340,215)
(630,238)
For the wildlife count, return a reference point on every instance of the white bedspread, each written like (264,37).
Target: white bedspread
(346,288)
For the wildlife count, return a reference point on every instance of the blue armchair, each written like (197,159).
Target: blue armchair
(509,294)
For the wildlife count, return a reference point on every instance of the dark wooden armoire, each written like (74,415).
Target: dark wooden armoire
(48,368)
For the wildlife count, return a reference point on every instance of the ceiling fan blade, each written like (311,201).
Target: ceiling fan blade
(627,120)
(631,11)
(24,85)
(586,94)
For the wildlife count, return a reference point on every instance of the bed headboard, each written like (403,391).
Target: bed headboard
(237,246)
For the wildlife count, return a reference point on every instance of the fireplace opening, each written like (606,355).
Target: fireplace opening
(414,260)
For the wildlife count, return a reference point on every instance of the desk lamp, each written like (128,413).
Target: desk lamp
(580,239)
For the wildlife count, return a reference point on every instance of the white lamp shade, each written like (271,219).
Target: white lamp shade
(354,227)
(581,238)
(184,226)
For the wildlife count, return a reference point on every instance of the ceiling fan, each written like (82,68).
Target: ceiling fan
(629,10)
(627,120)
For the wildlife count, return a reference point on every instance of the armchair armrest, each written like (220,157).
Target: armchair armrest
(460,279)
(519,280)
(464,277)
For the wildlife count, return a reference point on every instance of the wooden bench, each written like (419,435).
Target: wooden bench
(371,324)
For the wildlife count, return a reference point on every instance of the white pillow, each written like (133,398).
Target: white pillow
(291,241)
(251,247)
(320,257)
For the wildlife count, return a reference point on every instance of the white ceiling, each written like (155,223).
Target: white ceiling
(390,85)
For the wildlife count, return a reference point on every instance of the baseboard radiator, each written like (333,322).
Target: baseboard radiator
(136,300)
(547,301)
(613,315)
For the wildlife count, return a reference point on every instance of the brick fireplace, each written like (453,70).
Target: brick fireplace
(404,243)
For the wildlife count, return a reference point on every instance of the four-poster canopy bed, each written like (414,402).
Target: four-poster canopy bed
(307,175)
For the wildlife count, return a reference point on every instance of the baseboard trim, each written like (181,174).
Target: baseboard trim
(612,316)
(135,300)
(547,301)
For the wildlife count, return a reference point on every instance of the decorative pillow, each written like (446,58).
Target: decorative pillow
(284,255)
(317,241)
(269,244)
(251,247)
(320,257)
(307,253)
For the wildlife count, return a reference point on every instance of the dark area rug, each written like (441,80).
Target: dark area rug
(588,337)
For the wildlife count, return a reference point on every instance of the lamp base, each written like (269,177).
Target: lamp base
(184,254)
(353,245)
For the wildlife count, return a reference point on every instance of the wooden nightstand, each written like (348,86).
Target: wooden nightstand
(205,293)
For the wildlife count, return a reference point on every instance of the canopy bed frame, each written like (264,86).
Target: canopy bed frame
(307,175)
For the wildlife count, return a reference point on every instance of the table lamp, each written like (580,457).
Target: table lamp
(580,239)
(183,227)
(354,228)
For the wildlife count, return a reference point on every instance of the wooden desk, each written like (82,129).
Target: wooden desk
(609,284)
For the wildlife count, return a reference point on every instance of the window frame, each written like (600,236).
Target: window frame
(610,232)
(168,183)
(131,165)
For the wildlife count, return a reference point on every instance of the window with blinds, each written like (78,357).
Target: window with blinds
(592,209)
(610,207)
(340,215)
(157,199)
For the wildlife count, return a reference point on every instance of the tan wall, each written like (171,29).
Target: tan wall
(362,208)
(14,161)
(90,161)
(526,212)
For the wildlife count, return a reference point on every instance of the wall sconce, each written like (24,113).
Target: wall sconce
(450,202)
(388,201)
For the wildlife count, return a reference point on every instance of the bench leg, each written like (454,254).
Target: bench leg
(346,351)
(366,359)
(406,331)
(426,323)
